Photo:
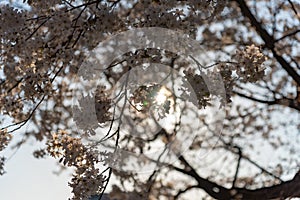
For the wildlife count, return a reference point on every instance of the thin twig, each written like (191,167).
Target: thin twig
(37,28)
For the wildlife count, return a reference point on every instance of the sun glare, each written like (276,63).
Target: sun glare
(162,96)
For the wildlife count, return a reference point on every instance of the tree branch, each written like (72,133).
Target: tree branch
(288,35)
(180,192)
(237,167)
(283,190)
(292,103)
(293,7)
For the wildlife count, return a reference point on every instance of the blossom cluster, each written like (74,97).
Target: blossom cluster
(199,87)
(87,180)
(5,137)
(251,60)
(102,105)
(91,111)
(70,149)
(2,159)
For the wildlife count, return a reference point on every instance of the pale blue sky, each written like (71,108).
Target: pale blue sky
(29,178)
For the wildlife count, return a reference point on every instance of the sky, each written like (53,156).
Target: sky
(31,178)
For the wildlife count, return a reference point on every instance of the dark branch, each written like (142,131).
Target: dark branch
(292,103)
(180,192)
(293,7)
(288,35)
(237,167)
(283,190)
